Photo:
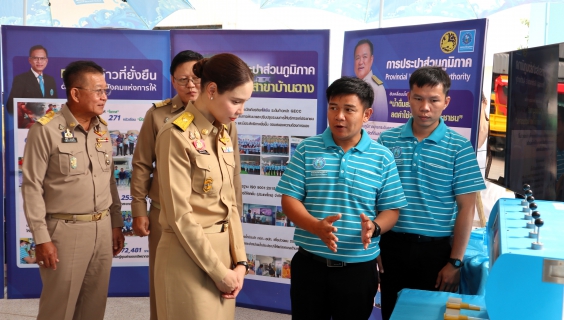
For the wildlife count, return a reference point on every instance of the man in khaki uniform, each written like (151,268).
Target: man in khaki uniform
(142,185)
(71,201)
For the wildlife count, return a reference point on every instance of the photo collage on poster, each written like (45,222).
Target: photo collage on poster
(124,118)
(268,266)
(266,155)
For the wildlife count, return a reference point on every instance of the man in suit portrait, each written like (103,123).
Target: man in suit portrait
(363,59)
(33,83)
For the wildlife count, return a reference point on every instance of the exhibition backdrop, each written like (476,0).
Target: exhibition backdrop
(136,65)
(288,105)
(456,46)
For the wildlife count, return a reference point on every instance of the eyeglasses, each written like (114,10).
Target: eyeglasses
(184,81)
(99,92)
(38,58)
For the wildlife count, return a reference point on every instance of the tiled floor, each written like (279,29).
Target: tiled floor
(118,309)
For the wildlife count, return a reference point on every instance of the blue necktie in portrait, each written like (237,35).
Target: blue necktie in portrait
(41,85)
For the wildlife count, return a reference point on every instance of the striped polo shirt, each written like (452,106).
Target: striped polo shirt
(329,181)
(433,172)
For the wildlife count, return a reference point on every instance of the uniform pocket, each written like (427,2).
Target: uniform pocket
(204,180)
(71,160)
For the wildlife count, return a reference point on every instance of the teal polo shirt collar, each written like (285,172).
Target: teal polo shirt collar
(362,146)
(436,135)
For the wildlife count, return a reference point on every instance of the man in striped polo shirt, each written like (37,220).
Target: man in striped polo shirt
(342,190)
(440,177)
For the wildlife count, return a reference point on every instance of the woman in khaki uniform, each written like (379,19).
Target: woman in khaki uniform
(201,261)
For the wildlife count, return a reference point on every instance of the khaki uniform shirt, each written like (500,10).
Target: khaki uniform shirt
(142,184)
(380,104)
(198,163)
(70,178)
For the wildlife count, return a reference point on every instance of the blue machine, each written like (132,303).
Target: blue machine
(525,283)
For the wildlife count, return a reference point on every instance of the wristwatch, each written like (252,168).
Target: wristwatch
(457,263)
(243,263)
(377,230)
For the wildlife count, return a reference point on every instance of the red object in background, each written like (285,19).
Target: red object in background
(500,89)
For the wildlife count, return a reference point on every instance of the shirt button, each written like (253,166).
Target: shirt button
(343,160)
(342,171)
(415,164)
(415,142)
(415,153)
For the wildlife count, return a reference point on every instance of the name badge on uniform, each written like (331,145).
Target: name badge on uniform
(200,146)
(227,149)
(68,137)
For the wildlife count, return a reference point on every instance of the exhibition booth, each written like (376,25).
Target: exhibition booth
(288,105)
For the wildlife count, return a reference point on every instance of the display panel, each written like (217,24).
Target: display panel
(525,142)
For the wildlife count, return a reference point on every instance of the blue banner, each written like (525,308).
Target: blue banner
(136,67)
(456,46)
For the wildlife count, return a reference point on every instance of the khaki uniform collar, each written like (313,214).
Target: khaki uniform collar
(177,104)
(71,121)
(199,120)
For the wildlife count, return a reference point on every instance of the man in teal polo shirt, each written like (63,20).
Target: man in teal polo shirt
(440,178)
(341,189)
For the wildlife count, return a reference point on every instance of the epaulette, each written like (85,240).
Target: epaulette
(378,81)
(162,103)
(102,120)
(183,120)
(47,117)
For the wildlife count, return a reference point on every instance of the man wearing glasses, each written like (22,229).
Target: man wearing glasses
(33,83)
(71,202)
(187,86)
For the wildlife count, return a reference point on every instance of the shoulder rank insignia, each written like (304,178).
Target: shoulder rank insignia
(183,120)
(162,103)
(46,118)
(102,121)
(378,81)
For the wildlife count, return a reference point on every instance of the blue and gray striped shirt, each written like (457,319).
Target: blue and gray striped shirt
(328,182)
(433,172)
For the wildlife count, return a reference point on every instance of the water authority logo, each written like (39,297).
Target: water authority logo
(449,41)
(318,163)
(467,40)
(396,151)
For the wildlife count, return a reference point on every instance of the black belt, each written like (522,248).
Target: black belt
(412,237)
(328,262)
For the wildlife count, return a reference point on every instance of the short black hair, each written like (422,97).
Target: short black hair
(352,85)
(74,72)
(183,57)
(431,76)
(38,47)
(363,41)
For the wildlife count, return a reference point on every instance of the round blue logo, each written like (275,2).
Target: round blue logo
(318,163)
(397,152)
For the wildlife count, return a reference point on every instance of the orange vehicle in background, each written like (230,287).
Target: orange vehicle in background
(498,112)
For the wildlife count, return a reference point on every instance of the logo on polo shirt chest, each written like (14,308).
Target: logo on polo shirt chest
(396,151)
(318,163)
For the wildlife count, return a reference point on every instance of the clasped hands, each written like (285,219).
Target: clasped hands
(232,283)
